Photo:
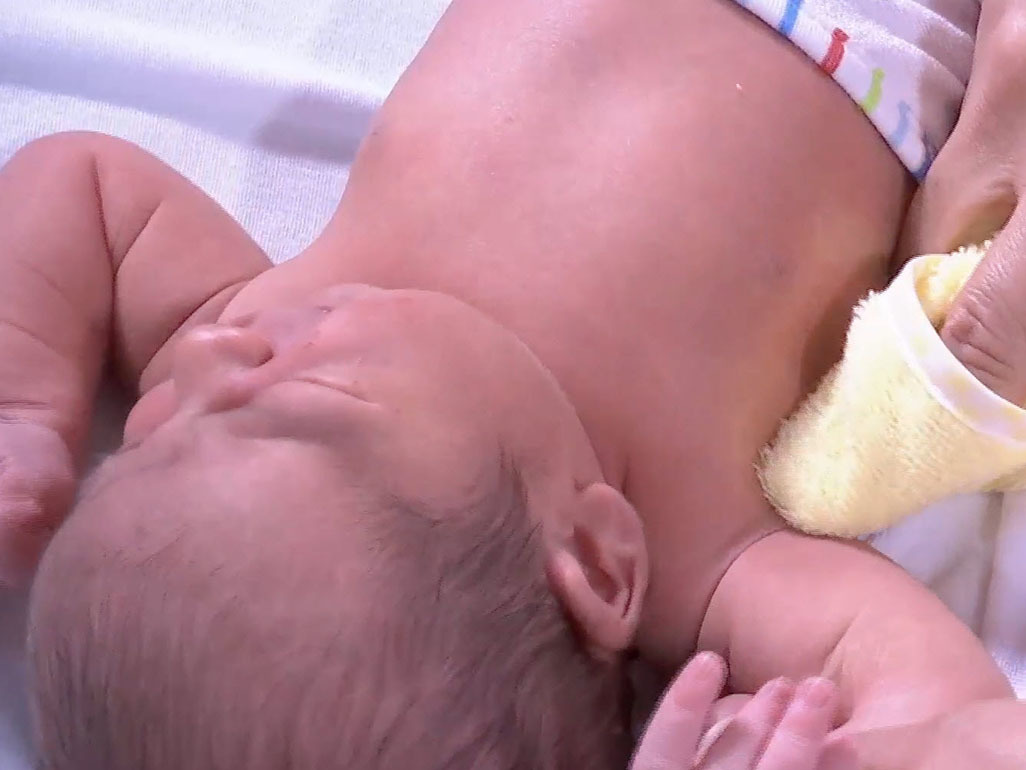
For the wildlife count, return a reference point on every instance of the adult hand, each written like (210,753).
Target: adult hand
(783,727)
(975,189)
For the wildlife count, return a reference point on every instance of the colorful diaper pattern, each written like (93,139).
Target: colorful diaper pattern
(889,108)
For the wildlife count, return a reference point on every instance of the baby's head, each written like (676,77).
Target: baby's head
(367,533)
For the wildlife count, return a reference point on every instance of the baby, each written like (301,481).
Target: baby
(412,498)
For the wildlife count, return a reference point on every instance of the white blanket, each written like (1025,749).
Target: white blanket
(262,103)
(971,551)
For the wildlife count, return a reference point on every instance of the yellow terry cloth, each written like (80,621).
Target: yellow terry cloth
(899,423)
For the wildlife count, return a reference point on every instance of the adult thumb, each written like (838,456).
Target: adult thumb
(986,325)
(672,735)
(965,199)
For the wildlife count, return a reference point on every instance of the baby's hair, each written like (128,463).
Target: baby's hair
(461,660)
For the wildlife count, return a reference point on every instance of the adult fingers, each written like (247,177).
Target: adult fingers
(742,739)
(973,186)
(839,755)
(671,738)
(969,195)
(986,325)
(798,741)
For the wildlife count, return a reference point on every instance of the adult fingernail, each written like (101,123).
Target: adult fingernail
(780,689)
(707,665)
(816,692)
(775,696)
(706,671)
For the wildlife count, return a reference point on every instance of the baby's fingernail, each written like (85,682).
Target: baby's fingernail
(816,693)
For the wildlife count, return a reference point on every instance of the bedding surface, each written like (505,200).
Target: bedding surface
(262,103)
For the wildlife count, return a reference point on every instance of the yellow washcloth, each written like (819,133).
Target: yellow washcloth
(899,423)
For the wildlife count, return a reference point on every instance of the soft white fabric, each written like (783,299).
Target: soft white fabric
(904,62)
(971,551)
(261,103)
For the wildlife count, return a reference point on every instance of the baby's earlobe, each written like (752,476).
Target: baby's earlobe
(598,567)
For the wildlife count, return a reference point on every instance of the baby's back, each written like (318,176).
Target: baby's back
(674,209)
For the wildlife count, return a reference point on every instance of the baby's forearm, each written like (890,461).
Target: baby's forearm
(906,659)
(904,663)
(798,606)
(990,735)
(56,280)
(986,735)
(103,248)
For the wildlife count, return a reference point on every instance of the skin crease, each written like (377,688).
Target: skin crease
(632,315)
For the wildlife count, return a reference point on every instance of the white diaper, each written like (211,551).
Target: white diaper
(904,62)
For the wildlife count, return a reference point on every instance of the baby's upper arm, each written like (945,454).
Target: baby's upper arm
(796,605)
(120,241)
(178,257)
(100,242)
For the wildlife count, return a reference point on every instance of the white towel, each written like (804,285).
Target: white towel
(971,551)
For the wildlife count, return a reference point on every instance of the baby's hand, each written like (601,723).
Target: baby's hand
(37,482)
(781,728)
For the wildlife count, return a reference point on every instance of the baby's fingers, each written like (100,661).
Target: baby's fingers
(671,738)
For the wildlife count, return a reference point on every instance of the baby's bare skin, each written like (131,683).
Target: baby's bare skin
(673,209)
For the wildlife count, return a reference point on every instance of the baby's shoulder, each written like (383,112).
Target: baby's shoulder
(288,283)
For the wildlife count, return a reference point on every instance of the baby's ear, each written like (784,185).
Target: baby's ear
(597,566)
